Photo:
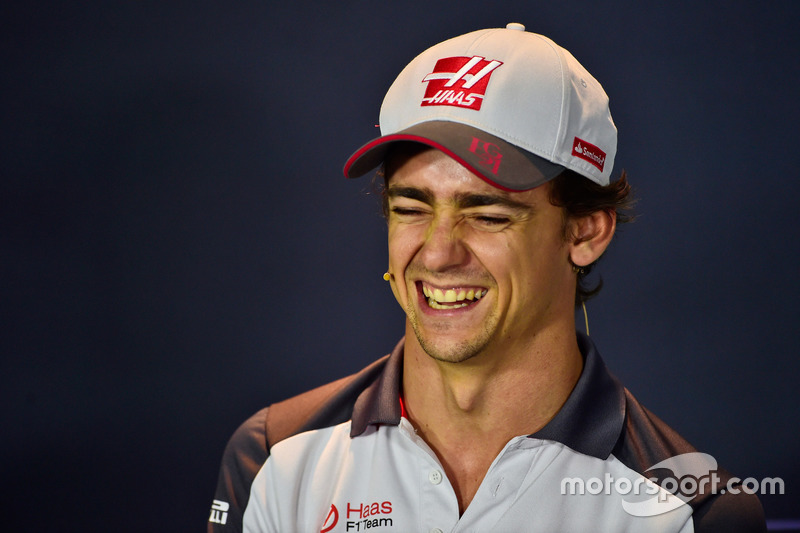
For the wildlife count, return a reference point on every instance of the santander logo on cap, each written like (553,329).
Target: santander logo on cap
(589,152)
(459,81)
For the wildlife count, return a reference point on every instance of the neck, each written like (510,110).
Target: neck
(468,411)
(503,393)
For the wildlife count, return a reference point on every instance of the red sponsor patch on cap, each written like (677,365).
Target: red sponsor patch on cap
(589,152)
(489,154)
(459,81)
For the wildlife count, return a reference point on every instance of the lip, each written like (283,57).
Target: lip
(450,311)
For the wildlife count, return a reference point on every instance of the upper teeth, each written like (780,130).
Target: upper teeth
(452,295)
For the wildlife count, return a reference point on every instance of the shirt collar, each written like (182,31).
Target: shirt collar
(589,422)
(380,402)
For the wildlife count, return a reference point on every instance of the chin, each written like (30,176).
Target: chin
(451,351)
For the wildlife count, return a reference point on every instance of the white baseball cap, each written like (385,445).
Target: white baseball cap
(512,106)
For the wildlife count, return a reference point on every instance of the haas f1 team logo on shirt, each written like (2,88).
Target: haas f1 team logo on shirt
(459,81)
(360,516)
(331,520)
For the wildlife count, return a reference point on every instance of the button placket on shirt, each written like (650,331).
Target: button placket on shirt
(438,500)
(438,505)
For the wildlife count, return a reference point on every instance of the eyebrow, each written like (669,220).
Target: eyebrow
(462,200)
(467,200)
(413,193)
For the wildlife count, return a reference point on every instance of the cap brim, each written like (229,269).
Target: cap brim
(491,158)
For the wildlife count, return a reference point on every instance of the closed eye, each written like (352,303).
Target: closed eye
(490,223)
(492,220)
(406,211)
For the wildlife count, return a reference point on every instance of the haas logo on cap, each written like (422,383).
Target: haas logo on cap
(459,81)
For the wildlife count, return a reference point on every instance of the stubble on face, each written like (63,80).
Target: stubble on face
(453,352)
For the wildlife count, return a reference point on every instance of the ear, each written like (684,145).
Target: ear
(590,235)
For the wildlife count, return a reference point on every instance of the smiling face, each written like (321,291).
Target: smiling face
(477,269)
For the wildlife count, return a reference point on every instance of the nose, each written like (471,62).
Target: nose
(443,248)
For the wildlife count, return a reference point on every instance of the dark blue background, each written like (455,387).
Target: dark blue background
(179,247)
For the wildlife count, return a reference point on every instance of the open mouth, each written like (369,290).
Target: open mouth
(454,298)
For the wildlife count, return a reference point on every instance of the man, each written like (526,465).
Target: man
(492,414)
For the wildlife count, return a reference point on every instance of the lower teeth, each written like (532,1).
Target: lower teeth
(436,305)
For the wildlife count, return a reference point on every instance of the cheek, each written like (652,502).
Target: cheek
(403,245)
(529,263)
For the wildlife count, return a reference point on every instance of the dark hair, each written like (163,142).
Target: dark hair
(581,197)
(577,195)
